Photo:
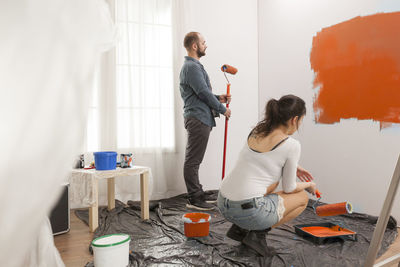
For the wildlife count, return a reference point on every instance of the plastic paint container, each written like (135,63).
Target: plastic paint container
(126,160)
(111,250)
(196,224)
(106,160)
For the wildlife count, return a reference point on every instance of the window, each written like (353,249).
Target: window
(143,113)
(144,74)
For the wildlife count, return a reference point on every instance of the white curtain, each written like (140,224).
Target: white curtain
(136,106)
(48,50)
(145,122)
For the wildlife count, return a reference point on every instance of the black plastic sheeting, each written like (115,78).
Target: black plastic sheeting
(160,241)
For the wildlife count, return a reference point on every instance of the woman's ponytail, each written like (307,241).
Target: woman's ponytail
(278,112)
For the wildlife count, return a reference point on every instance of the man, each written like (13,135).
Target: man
(200,108)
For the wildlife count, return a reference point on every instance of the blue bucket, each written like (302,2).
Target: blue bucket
(106,160)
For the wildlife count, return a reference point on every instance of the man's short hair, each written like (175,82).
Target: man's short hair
(190,39)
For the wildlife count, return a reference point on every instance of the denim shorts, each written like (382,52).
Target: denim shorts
(252,214)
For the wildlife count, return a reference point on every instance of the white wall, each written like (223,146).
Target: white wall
(353,160)
(230,30)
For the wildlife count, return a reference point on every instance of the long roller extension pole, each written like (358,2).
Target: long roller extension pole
(228,92)
(231,70)
(383,220)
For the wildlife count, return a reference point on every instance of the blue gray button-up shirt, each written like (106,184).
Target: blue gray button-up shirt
(199,101)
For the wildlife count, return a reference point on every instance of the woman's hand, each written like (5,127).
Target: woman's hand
(304,175)
(312,188)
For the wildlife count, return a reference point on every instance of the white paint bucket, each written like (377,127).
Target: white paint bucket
(111,250)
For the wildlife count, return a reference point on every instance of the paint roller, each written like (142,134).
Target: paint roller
(231,70)
(334,209)
(331,209)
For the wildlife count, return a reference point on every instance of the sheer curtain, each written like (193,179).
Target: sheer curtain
(135,109)
(48,52)
(145,115)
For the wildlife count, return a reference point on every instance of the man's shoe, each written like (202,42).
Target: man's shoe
(236,233)
(257,240)
(199,204)
(211,192)
(210,198)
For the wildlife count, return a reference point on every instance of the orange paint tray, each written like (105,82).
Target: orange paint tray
(322,232)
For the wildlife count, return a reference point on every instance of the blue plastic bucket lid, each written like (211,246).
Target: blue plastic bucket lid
(105,153)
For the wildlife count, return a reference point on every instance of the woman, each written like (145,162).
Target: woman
(246,197)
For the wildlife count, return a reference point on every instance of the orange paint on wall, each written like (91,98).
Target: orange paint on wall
(357,70)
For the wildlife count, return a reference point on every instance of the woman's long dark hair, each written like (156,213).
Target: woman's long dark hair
(278,112)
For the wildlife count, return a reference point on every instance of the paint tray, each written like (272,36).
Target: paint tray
(320,233)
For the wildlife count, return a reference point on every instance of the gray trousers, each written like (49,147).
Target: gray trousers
(197,139)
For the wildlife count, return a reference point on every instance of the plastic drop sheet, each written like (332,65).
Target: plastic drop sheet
(160,241)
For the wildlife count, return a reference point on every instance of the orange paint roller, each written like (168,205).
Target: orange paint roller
(334,209)
(331,209)
(231,70)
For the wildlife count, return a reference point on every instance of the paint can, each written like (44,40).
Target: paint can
(111,250)
(196,224)
(126,160)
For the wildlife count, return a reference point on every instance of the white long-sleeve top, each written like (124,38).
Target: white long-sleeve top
(255,171)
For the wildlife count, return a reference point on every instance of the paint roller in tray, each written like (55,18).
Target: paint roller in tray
(331,209)
(322,231)
(231,70)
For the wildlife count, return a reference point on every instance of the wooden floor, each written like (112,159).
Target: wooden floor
(73,246)
(393,250)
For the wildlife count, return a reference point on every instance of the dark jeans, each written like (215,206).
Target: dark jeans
(198,134)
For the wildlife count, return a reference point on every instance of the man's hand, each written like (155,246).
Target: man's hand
(225,98)
(227,113)
(304,175)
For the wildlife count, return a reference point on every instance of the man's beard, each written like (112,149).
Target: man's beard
(200,53)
